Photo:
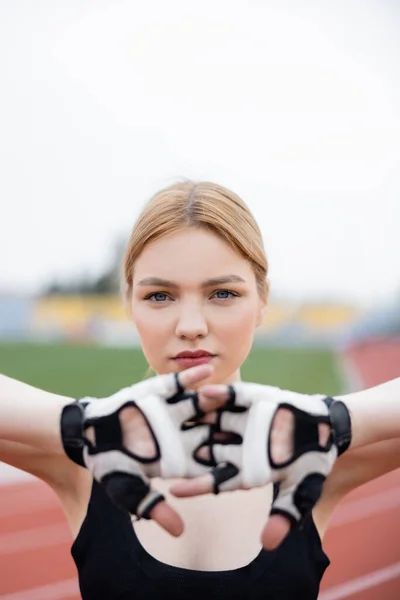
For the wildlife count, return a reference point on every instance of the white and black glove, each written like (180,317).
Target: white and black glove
(167,410)
(245,458)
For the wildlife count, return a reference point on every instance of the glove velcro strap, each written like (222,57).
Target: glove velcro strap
(296,505)
(308,492)
(131,492)
(72,419)
(341,423)
(221,473)
(148,503)
(193,396)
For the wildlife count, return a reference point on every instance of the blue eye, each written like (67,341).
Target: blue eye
(157,297)
(225,294)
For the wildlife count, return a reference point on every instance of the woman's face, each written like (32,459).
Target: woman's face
(192,291)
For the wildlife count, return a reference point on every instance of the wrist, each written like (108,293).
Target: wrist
(341,423)
(72,428)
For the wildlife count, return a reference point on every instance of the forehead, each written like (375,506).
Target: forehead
(190,255)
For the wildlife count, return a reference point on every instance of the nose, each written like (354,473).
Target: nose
(191,322)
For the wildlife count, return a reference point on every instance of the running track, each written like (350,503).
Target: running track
(363,541)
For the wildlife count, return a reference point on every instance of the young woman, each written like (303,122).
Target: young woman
(196,282)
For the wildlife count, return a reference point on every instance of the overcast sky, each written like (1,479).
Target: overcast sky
(293,105)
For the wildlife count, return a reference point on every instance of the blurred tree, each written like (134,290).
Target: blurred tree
(108,282)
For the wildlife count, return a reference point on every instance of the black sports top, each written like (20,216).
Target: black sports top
(112,564)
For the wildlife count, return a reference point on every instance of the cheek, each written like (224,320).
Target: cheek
(237,332)
(152,336)
(242,318)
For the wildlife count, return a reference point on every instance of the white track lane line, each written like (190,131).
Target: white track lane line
(11,475)
(354,586)
(52,591)
(361,509)
(349,375)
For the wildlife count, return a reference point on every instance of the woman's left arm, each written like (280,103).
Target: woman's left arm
(375,439)
(375,414)
(350,471)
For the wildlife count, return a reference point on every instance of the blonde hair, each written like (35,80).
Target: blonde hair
(202,205)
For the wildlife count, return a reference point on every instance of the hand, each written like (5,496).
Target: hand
(271,435)
(142,431)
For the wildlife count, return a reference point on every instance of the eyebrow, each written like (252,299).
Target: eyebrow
(157,281)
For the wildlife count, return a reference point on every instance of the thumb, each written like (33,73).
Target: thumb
(290,507)
(275,531)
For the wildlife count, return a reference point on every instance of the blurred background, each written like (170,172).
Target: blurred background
(295,107)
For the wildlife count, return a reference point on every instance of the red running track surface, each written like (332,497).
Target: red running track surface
(363,540)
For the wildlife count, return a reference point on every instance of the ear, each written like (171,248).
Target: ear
(261,313)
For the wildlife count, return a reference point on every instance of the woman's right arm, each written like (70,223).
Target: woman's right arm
(31,416)
(30,437)
(54,469)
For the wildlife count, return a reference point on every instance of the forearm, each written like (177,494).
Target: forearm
(375,413)
(30,416)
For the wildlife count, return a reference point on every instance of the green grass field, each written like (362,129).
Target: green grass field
(78,371)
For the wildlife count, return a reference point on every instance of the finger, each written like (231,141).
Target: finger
(213,396)
(133,493)
(209,405)
(167,518)
(275,531)
(193,487)
(210,418)
(220,478)
(136,435)
(324,433)
(194,375)
(215,391)
(281,438)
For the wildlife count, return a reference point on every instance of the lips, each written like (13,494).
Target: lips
(189,358)
(193,354)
